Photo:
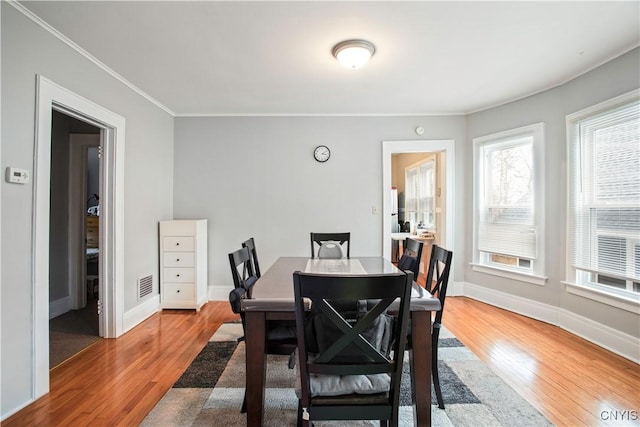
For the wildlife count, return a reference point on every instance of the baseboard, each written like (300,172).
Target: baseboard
(606,337)
(613,340)
(455,289)
(59,307)
(141,312)
(526,307)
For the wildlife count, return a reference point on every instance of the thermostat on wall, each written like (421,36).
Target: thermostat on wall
(17,176)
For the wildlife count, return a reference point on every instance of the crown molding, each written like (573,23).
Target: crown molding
(318,114)
(57,34)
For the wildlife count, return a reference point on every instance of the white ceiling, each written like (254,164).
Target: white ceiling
(271,58)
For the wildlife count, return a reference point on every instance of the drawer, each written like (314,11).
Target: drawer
(92,238)
(92,241)
(182,275)
(178,259)
(183,292)
(177,243)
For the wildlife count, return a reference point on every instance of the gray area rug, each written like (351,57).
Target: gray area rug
(473,395)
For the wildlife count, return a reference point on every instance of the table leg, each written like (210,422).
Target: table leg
(255,343)
(421,366)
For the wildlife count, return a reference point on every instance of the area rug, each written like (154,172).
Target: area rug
(208,395)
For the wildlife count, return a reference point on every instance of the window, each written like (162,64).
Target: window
(604,195)
(508,200)
(420,187)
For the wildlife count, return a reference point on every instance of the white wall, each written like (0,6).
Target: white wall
(616,77)
(256,177)
(28,50)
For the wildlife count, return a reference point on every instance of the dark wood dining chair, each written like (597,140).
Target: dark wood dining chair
(242,269)
(281,335)
(344,339)
(411,257)
(251,245)
(436,284)
(344,239)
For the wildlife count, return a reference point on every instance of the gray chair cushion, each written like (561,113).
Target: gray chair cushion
(339,385)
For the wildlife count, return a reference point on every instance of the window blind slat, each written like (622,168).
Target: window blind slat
(419,189)
(506,219)
(605,192)
(507,239)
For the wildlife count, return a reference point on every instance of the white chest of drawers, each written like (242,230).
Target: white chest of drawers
(183,263)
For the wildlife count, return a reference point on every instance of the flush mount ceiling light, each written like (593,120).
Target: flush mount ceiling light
(353,53)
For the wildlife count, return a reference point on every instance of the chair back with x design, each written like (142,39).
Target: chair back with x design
(350,349)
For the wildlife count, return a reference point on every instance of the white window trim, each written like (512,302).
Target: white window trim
(592,291)
(520,276)
(417,165)
(605,296)
(537,275)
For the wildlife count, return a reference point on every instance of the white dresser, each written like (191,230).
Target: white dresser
(183,263)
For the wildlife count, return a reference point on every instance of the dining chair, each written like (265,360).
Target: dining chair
(242,269)
(281,335)
(251,245)
(330,251)
(411,256)
(436,284)
(350,351)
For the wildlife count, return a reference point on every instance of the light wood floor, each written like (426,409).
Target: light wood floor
(118,381)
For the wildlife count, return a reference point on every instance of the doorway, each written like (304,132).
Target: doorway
(443,149)
(418,188)
(52,97)
(73,237)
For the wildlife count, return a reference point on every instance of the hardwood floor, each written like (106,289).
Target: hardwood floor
(568,379)
(117,382)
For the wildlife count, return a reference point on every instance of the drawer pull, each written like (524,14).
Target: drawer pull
(177,275)
(178,244)
(177,259)
(178,291)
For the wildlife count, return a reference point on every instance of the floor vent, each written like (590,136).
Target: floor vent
(145,286)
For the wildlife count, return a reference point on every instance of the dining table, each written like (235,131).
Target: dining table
(272,298)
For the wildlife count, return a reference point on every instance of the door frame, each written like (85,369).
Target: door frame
(49,97)
(419,146)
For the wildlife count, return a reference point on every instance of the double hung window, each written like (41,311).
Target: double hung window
(420,185)
(508,200)
(604,196)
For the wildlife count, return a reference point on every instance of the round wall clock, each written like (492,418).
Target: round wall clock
(321,153)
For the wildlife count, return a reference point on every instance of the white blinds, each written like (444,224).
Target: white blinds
(506,211)
(605,191)
(420,192)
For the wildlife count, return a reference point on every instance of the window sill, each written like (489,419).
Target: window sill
(628,303)
(510,274)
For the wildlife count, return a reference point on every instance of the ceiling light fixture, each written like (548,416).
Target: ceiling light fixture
(353,53)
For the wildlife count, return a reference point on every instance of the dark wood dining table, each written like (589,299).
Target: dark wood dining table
(272,299)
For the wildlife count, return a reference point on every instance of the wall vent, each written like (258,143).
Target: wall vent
(145,286)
